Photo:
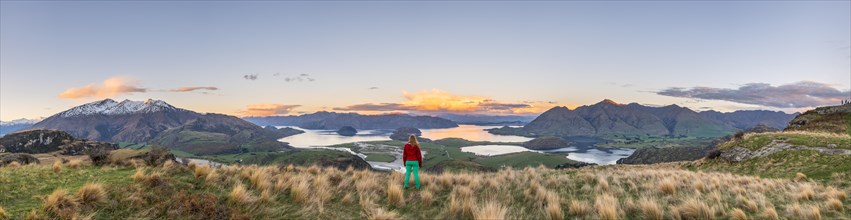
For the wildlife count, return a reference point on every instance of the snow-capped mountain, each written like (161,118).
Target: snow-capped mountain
(158,123)
(16,125)
(111,107)
(21,121)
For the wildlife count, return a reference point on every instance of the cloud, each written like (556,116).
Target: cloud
(190,89)
(435,101)
(300,78)
(251,76)
(268,109)
(796,95)
(369,107)
(372,88)
(109,88)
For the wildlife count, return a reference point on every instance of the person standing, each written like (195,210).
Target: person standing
(413,160)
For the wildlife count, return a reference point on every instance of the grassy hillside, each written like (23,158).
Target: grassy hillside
(174,191)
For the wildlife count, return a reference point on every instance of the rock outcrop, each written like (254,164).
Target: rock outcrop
(22,159)
(546,143)
(669,154)
(402,134)
(47,141)
(347,131)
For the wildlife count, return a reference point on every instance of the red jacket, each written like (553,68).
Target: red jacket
(412,152)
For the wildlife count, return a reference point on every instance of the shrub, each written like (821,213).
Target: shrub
(157,156)
(491,210)
(91,194)
(98,155)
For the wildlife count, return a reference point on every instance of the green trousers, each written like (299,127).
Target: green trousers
(412,166)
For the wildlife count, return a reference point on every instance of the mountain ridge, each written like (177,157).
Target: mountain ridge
(335,120)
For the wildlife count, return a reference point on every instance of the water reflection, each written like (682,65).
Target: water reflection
(319,138)
(593,154)
(471,132)
(491,150)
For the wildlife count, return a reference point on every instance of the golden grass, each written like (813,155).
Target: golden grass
(201,171)
(667,187)
(834,204)
(607,207)
(75,164)
(738,214)
(800,177)
(91,194)
(650,209)
(491,210)
(138,176)
(426,197)
(300,190)
(578,208)
(240,195)
(61,205)
(695,209)
(57,166)
(3,214)
(769,214)
(14,164)
(805,192)
(381,214)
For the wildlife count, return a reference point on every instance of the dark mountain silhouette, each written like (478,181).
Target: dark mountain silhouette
(156,122)
(335,121)
(608,118)
(745,119)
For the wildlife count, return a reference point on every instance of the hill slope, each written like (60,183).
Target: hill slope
(607,119)
(157,122)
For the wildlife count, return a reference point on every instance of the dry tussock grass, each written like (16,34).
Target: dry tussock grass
(3,214)
(14,164)
(395,195)
(491,210)
(75,164)
(240,195)
(57,166)
(91,194)
(60,205)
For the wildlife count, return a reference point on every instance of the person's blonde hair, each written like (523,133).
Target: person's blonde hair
(413,140)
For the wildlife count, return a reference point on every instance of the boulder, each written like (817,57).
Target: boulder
(402,134)
(574,165)
(22,159)
(546,143)
(347,131)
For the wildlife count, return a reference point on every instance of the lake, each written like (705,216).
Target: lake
(580,152)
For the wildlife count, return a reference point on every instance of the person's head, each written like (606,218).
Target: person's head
(413,140)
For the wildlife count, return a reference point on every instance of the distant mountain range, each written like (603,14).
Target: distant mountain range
(159,123)
(608,118)
(476,119)
(16,125)
(334,121)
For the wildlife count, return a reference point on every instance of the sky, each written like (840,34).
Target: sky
(472,57)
